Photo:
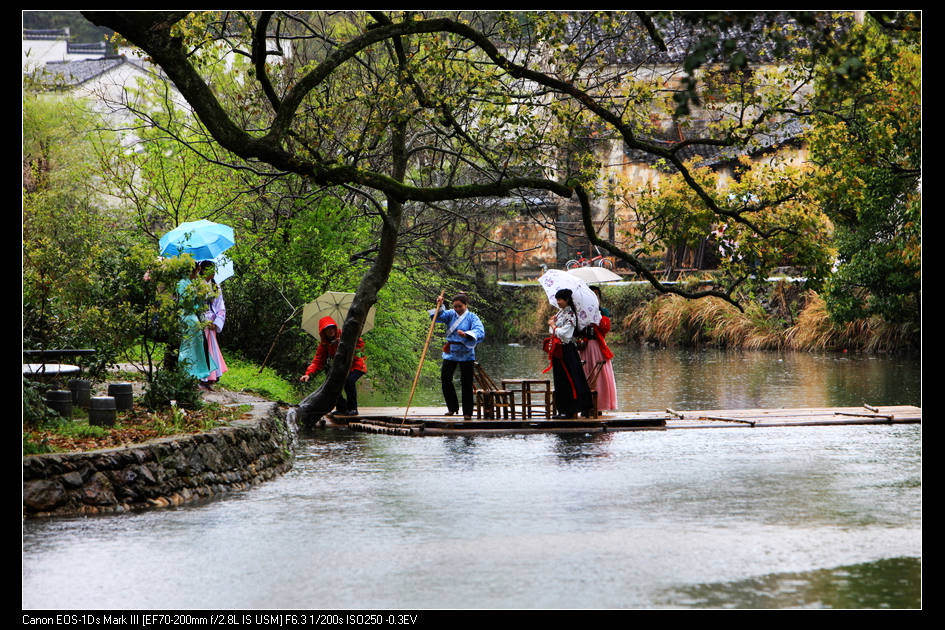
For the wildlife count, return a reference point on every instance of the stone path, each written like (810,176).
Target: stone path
(223,397)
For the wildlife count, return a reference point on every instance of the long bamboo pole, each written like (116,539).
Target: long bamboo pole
(424,354)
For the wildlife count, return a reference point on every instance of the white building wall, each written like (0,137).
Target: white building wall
(37,52)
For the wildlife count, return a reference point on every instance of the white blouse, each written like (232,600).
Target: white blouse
(565,321)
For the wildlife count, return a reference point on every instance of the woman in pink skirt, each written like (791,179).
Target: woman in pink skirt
(216,316)
(595,350)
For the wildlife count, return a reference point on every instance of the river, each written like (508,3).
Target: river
(800,517)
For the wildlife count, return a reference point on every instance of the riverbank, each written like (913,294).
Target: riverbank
(790,317)
(164,471)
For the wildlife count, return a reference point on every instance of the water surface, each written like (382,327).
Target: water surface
(799,517)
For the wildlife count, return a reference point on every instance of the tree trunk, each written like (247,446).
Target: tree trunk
(321,401)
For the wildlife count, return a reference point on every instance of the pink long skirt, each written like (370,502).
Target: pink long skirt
(215,353)
(606,383)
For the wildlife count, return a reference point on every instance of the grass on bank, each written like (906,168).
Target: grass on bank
(57,434)
(242,376)
(61,435)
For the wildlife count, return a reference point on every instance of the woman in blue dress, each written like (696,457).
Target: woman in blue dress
(193,353)
(464,331)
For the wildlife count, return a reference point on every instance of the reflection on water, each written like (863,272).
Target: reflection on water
(890,583)
(727,518)
(649,378)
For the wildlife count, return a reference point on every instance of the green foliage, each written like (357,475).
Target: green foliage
(31,447)
(35,411)
(67,240)
(786,226)
(78,429)
(172,385)
(867,145)
(393,347)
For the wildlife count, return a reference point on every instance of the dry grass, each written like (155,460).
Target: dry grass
(671,320)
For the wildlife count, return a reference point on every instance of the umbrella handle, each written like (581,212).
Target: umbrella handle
(423,355)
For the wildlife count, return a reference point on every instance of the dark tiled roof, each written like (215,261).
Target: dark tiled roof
(87,49)
(45,33)
(69,73)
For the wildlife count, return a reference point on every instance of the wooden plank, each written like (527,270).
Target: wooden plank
(866,415)
(433,421)
(751,422)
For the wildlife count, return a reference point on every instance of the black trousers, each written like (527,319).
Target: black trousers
(351,391)
(466,382)
(567,372)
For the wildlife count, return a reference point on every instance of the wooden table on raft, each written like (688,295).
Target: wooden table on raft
(434,421)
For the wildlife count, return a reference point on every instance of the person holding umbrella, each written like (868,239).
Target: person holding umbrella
(193,351)
(596,351)
(215,317)
(347,402)
(572,393)
(464,330)
(204,241)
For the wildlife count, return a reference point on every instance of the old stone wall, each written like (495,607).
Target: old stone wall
(161,472)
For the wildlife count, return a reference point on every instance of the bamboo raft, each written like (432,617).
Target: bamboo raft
(424,421)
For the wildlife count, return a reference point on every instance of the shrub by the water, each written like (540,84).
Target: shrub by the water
(168,385)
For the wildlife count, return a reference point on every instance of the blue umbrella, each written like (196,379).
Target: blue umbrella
(202,239)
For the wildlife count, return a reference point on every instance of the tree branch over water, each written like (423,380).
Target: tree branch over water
(430,125)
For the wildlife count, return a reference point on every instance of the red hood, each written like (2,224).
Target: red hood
(324,323)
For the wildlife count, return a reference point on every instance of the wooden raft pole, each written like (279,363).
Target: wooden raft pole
(424,354)
(889,417)
(721,419)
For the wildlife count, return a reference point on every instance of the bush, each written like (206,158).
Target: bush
(168,385)
(35,411)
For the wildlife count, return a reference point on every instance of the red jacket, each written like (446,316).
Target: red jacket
(326,349)
(601,330)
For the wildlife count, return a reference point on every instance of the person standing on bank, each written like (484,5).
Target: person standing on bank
(215,318)
(572,394)
(193,352)
(464,331)
(330,336)
(596,351)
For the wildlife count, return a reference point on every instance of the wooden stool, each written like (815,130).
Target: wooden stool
(535,393)
(490,400)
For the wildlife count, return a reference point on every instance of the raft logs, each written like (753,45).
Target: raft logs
(384,428)
(393,426)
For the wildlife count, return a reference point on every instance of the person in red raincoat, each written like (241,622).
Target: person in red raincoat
(347,403)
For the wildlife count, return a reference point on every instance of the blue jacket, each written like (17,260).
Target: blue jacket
(461,348)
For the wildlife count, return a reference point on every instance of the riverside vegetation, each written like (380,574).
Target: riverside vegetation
(789,318)
(93,212)
(786,316)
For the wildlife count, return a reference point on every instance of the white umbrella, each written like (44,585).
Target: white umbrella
(334,304)
(593,275)
(585,300)
(223,267)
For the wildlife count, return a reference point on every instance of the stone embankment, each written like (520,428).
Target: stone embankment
(162,472)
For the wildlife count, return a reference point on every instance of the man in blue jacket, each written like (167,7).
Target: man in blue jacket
(463,331)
